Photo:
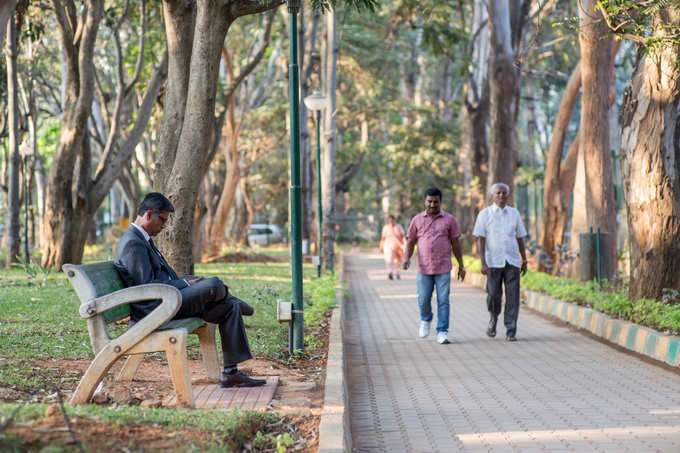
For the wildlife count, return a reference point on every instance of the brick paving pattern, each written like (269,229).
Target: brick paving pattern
(555,390)
(212,396)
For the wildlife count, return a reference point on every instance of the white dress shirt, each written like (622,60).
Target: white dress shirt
(501,228)
(142,230)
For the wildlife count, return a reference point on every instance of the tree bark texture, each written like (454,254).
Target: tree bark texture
(650,151)
(596,80)
(506,22)
(13,198)
(193,72)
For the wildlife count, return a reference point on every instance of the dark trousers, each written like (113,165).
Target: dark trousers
(497,276)
(210,301)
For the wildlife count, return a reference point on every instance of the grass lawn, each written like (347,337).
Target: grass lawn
(39,322)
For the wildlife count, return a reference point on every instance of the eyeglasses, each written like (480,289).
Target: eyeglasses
(163,219)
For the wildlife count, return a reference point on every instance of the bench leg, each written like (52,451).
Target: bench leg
(127,373)
(179,369)
(206,336)
(93,375)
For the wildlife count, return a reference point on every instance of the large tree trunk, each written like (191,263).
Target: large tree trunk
(13,198)
(596,79)
(180,22)
(558,180)
(194,67)
(506,22)
(650,150)
(330,143)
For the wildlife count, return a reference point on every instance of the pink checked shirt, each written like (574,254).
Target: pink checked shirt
(434,235)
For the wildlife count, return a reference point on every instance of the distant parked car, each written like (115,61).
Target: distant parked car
(263,234)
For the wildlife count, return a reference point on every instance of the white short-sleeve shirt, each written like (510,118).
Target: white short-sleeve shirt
(501,228)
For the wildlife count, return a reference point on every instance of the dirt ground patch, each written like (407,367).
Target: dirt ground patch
(300,396)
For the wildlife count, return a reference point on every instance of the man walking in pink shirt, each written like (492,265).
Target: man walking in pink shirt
(436,232)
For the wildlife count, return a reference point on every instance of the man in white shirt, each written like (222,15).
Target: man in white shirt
(500,232)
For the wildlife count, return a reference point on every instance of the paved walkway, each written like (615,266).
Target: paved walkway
(555,390)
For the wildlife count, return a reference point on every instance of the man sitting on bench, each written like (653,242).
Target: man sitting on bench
(139,262)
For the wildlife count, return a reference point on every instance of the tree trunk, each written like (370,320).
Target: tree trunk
(506,22)
(58,223)
(475,114)
(74,192)
(180,22)
(650,126)
(329,148)
(555,205)
(193,72)
(596,79)
(231,156)
(6,10)
(13,198)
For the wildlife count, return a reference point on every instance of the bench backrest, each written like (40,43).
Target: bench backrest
(95,280)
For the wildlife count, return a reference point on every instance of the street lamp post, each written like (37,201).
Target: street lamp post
(317,102)
(298,344)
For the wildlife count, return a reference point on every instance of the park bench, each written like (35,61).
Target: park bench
(105,299)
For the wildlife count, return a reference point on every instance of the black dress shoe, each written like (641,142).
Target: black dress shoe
(246,310)
(239,379)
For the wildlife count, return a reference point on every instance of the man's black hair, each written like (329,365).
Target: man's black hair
(156,202)
(433,192)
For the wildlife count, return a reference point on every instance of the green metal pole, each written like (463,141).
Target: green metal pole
(318,186)
(295,189)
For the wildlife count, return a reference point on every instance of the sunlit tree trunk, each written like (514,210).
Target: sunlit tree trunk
(555,203)
(650,151)
(231,156)
(596,80)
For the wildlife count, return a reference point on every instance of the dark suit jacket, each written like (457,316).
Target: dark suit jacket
(138,263)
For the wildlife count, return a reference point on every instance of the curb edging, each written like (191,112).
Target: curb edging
(334,435)
(643,340)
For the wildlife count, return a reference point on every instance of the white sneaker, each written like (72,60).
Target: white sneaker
(424,329)
(443,338)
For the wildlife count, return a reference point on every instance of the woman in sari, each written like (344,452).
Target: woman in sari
(392,242)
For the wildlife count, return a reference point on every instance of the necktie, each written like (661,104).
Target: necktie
(153,246)
(171,271)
